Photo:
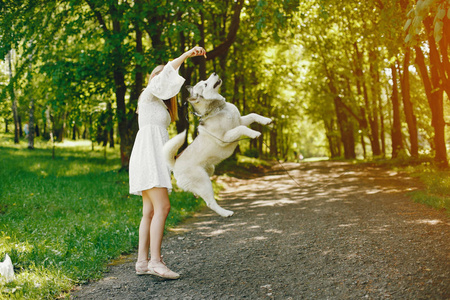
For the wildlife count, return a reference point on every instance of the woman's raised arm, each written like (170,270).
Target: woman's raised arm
(196,51)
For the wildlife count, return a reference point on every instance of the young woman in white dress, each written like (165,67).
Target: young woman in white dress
(149,174)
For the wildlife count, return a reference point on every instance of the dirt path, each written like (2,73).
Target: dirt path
(344,232)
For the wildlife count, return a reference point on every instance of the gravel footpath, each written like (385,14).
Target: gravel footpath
(340,231)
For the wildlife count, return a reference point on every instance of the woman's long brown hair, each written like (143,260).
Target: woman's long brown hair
(172,106)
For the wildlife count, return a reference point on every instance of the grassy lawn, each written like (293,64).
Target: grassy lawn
(436,181)
(63,219)
(437,186)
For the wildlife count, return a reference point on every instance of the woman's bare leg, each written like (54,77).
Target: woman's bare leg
(144,228)
(156,207)
(161,207)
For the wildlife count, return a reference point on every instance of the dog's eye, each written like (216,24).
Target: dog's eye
(206,84)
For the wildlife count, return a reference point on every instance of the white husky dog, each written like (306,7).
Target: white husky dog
(221,127)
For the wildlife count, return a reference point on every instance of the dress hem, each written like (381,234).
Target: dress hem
(139,192)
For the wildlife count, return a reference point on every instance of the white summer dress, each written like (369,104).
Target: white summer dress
(148,168)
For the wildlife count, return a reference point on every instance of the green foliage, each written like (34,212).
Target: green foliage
(290,60)
(242,166)
(251,162)
(63,219)
(78,54)
(251,153)
(273,16)
(437,9)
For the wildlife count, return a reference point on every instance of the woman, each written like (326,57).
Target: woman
(149,174)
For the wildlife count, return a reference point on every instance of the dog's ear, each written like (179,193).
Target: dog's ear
(190,89)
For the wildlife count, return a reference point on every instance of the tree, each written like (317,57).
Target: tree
(13,98)
(432,16)
(31,123)
(397,138)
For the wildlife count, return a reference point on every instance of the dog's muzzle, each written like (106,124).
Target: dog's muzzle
(217,83)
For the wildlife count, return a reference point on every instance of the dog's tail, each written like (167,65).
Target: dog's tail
(170,148)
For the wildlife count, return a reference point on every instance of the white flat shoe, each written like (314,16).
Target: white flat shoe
(142,268)
(159,268)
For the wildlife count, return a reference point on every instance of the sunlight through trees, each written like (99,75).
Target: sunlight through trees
(368,79)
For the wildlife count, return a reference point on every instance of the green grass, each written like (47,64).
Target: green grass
(63,219)
(437,185)
(242,166)
(436,181)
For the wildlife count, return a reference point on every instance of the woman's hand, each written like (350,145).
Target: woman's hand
(196,51)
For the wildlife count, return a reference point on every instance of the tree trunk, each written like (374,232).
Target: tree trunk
(332,137)
(444,46)
(232,32)
(373,113)
(224,75)
(31,125)
(235,97)
(201,28)
(126,139)
(244,103)
(259,128)
(74,132)
(346,130)
(62,129)
(439,82)
(345,125)
(13,100)
(20,126)
(110,125)
(273,141)
(435,101)
(47,124)
(126,120)
(363,145)
(183,109)
(31,113)
(408,107)
(397,142)
(382,130)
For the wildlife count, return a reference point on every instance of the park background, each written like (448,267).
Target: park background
(362,81)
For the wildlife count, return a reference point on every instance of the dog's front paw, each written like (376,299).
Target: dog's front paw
(266,121)
(254,134)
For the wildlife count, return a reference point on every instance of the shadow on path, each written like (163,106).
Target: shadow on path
(340,231)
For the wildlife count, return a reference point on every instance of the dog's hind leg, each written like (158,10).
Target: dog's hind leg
(200,184)
(211,203)
(207,194)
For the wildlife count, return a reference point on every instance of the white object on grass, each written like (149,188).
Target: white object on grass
(7,269)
